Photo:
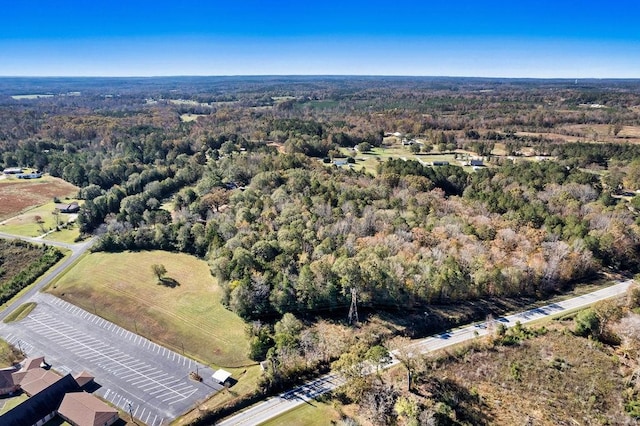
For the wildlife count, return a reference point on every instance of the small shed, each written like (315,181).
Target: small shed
(221,376)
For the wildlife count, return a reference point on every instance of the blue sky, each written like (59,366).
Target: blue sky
(495,38)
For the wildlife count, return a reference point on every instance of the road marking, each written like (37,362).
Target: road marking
(116,362)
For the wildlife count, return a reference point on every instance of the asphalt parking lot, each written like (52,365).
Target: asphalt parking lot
(138,376)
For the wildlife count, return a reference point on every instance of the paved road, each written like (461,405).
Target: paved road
(133,373)
(275,406)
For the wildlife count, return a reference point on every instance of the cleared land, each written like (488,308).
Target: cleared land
(15,257)
(17,195)
(370,160)
(122,288)
(190,117)
(40,220)
(545,380)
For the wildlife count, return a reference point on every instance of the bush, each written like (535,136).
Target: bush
(587,324)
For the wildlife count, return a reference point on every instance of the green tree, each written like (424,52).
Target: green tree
(379,356)
(159,271)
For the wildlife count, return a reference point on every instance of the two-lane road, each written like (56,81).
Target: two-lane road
(289,400)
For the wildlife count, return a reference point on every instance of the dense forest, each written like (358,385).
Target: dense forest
(240,172)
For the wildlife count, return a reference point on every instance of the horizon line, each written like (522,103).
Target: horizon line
(319,75)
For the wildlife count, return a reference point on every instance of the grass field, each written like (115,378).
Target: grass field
(122,288)
(314,413)
(369,161)
(26,224)
(68,235)
(190,117)
(18,195)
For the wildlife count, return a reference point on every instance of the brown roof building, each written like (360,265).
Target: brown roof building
(83,409)
(33,362)
(49,394)
(36,380)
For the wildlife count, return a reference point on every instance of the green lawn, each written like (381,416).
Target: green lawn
(7,404)
(313,413)
(68,235)
(121,287)
(370,160)
(26,224)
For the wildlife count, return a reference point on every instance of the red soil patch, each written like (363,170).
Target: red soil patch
(17,196)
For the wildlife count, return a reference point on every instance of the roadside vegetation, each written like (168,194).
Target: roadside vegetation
(22,263)
(579,367)
(9,354)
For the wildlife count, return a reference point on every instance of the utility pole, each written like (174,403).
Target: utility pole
(353,310)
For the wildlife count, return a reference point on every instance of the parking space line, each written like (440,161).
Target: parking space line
(124,366)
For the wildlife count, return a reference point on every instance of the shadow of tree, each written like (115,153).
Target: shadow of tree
(168,282)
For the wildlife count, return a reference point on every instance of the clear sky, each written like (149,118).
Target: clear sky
(491,38)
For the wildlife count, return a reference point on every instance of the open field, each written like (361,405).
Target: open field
(18,195)
(190,117)
(590,133)
(29,97)
(315,413)
(27,224)
(370,160)
(123,289)
(68,235)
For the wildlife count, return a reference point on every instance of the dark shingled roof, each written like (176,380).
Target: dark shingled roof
(41,404)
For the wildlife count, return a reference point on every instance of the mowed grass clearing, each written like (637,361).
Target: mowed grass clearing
(27,224)
(313,413)
(369,160)
(122,288)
